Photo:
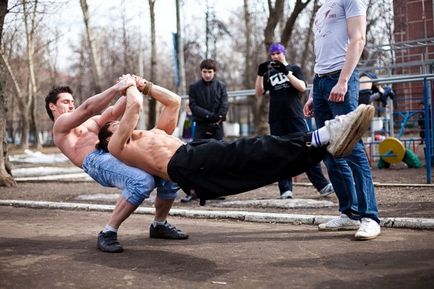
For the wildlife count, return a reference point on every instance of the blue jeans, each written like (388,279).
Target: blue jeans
(351,176)
(288,126)
(136,185)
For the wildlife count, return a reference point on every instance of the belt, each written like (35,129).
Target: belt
(329,73)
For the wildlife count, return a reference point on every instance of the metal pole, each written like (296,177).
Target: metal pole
(427,132)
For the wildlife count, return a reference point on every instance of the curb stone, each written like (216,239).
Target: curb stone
(394,222)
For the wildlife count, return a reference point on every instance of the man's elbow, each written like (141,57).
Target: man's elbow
(137,106)
(259,89)
(175,100)
(360,43)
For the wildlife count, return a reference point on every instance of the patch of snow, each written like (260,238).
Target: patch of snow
(38,157)
(44,171)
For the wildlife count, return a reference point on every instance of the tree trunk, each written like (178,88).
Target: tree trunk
(248,76)
(24,103)
(289,26)
(6,178)
(152,103)
(262,103)
(93,53)
(35,124)
(262,109)
(180,52)
(125,42)
(308,37)
(207,30)
(30,22)
(276,14)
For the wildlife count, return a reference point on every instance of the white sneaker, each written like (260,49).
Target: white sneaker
(369,229)
(327,190)
(346,130)
(340,224)
(286,195)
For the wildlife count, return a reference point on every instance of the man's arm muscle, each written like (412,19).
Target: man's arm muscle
(168,118)
(113,112)
(128,121)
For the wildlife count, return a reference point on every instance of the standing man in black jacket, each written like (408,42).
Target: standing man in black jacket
(208,102)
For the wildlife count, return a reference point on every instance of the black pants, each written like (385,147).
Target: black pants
(365,96)
(216,168)
(293,125)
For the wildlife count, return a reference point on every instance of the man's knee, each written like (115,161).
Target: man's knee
(167,190)
(137,190)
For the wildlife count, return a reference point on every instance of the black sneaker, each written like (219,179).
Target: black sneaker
(108,242)
(166,231)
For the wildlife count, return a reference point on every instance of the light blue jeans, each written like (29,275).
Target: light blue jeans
(136,184)
(351,176)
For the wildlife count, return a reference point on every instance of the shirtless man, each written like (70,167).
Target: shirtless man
(76,133)
(215,168)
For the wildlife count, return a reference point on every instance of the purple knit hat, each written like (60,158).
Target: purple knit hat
(277,47)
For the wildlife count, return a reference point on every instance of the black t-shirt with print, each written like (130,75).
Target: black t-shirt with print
(285,100)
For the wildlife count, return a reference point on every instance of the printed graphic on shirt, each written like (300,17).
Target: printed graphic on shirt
(278,78)
(323,15)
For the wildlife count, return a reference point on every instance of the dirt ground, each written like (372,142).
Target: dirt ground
(43,248)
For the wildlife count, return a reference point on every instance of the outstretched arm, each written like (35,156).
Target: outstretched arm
(168,118)
(91,106)
(128,121)
(113,112)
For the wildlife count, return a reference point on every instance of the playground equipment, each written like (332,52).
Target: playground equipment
(393,151)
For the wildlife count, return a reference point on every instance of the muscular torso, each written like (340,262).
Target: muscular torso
(150,151)
(77,143)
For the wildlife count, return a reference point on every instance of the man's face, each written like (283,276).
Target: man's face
(64,104)
(114,125)
(279,56)
(207,74)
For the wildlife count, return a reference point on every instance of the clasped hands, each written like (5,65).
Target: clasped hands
(275,64)
(128,80)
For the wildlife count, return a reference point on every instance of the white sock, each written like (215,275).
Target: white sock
(109,228)
(156,223)
(320,137)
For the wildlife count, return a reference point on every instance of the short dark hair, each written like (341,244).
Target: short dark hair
(103,136)
(208,64)
(53,96)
